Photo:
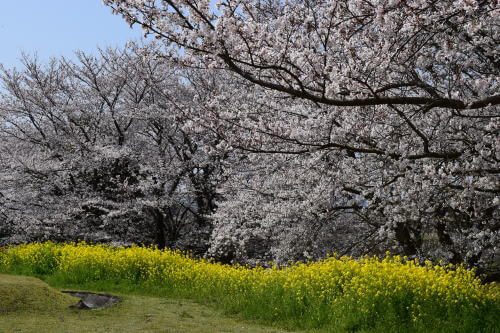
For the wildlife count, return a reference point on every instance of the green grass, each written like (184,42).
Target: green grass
(147,308)
(47,310)
(334,295)
(20,294)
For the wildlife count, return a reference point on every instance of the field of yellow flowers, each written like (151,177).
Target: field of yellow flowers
(337,293)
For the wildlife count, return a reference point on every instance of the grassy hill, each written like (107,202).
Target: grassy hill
(27,294)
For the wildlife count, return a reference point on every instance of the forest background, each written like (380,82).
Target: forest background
(265,131)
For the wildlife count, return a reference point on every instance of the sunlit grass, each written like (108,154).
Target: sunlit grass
(391,294)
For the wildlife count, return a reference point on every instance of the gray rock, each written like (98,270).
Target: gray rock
(93,301)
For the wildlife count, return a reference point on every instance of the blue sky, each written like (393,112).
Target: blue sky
(57,28)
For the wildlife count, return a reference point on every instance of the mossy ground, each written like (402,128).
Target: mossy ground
(40,308)
(21,293)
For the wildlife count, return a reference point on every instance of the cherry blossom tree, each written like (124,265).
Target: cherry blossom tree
(387,110)
(97,151)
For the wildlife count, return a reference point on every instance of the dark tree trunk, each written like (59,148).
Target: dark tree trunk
(410,239)
(160,231)
(446,241)
(159,225)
